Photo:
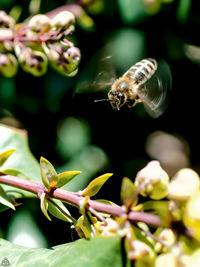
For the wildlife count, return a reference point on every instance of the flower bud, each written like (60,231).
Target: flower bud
(186,261)
(168,238)
(155,180)
(8,65)
(191,217)
(6,34)
(5,20)
(51,52)
(110,229)
(63,19)
(166,260)
(142,252)
(183,185)
(68,60)
(39,22)
(32,61)
(72,57)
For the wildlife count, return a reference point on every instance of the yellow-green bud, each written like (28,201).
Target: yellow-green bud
(67,63)
(63,19)
(183,185)
(8,65)
(191,217)
(155,179)
(51,52)
(142,252)
(38,22)
(32,61)
(166,260)
(195,258)
(109,229)
(5,20)
(167,237)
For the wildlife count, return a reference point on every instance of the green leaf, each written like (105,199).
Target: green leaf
(128,190)
(48,173)
(5,155)
(183,10)
(4,199)
(66,177)
(58,209)
(23,229)
(97,252)
(22,160)
(14,172)
(44,205)
(94,187)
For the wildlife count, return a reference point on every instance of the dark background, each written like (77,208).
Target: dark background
(41,104)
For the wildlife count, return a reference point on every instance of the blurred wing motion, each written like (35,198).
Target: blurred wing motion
(154,92)
(97,75)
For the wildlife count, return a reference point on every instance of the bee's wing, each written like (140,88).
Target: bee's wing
(97,76)
(154,92)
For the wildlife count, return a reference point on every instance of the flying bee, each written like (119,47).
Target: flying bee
(127,89)
(145,82)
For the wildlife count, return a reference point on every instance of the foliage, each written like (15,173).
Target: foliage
(176,217)
(157,222)
(80,252)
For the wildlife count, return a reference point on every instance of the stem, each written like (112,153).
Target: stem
(96,214)
(74,200)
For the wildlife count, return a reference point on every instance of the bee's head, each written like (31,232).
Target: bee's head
(117,99)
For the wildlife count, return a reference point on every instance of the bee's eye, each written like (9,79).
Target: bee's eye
(121,97)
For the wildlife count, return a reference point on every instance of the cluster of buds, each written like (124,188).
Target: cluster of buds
(175,201)
(37,42)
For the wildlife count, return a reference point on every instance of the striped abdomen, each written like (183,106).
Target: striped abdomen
(142,71)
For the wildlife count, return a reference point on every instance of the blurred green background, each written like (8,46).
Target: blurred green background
(74,133)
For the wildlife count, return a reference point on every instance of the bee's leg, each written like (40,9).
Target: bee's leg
(131,103)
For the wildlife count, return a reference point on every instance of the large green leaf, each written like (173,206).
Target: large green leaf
(22,159)
(98,252)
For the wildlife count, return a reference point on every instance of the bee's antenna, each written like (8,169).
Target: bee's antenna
(101,100)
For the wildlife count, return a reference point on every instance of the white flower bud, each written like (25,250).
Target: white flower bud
(38,22)
(63,19)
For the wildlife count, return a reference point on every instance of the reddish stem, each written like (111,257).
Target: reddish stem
(74,199)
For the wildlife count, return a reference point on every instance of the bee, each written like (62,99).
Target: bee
(143,82)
